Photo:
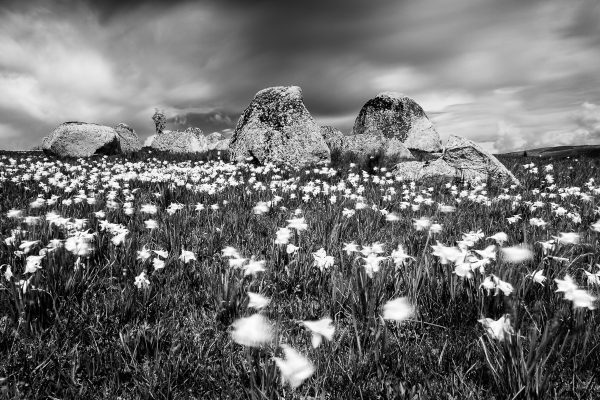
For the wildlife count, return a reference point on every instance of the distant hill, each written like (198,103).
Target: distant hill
(559,152)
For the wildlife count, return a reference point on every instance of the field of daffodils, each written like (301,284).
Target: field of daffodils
(166,277)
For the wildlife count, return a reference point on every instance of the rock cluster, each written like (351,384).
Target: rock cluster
(277,127)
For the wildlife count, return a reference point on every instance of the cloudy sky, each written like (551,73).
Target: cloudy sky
(509,74)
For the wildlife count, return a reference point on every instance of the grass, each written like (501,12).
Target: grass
(82,329)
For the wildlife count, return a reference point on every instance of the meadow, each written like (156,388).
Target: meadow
(190,277)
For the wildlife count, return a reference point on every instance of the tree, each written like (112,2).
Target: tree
(160,121)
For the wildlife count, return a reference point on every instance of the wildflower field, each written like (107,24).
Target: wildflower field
(159,277)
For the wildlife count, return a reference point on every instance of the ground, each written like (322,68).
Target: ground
(126,278)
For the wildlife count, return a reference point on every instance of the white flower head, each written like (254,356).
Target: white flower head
(497,329)
(320,329)
(257,301)
(253,331)
(295,368)
(398,310)
(517,254)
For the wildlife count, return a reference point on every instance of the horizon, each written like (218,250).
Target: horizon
(511,76)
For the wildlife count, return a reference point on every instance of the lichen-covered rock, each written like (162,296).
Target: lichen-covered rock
(333,137)
(188,141)
(214,137)
(222,144)
(419,170)
(473,162)
(129,141)
(369,144)
(81,139)
(277,127)
(396,116)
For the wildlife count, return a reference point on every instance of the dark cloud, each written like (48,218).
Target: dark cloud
(490,70)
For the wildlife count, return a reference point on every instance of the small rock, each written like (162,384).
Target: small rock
(473,162)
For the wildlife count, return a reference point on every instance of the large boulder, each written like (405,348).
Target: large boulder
(82,139)
(419,170)
(368,144)
(128,139)
(188,141)
(333,137)
(396,116)
(277,127)
(473,162)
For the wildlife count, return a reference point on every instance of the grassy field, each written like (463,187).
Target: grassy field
(129,278)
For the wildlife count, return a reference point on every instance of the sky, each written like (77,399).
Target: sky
(508,74)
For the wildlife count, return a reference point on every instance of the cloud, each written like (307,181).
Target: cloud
(472,64)
(588,120)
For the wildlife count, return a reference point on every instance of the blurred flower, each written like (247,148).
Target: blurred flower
(567,237)
(392,217)
(119,238)
(350,248)
(8,273)
(596,226)
(582,299)
(157,263)
(548,245)
(422,223)
(161,253)
(322,260)
(516,254)
(27,245)
(446,254)
(348,213)
(567,286)
(500,238)
(187,256)
(320,329)
(497,329)
(447,209)
(141,281)
(435,228)
(252,331)
(398,310)
(399,256)
(290,249)
(297,223)
(254,267)
(14,213)
(257,301)
(143,254)
(79,245)
(593,279)
(538,277)
(230,252)
(260,208)
(295,369)
(488,252)
(33,264)
(463,270)
(148,209)
(151,224)
(372,264)
(283,236)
